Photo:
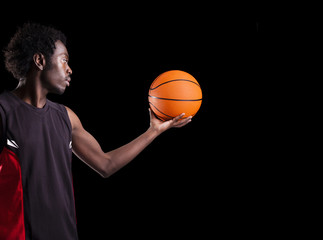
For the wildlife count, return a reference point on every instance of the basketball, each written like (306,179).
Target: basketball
(174,92)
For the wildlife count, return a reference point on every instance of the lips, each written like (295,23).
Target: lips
(67,80)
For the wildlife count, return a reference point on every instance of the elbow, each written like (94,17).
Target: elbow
(108,168)
(105,174)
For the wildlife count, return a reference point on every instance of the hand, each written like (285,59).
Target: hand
(160,126)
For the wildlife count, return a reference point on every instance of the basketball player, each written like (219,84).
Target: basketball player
(38,136)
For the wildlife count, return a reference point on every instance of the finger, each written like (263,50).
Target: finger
(151,114)
(176,119)
(182,123)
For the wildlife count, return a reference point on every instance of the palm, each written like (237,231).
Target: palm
(161,126)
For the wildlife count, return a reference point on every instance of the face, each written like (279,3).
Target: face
(56,77)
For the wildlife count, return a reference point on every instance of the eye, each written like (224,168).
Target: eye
(65,60)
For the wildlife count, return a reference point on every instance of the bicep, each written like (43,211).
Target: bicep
(85,146)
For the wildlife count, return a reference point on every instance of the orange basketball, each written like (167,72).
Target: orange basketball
(174,92)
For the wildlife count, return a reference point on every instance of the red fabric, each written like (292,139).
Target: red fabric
(11,197)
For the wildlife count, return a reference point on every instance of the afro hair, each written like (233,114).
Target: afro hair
(30,38)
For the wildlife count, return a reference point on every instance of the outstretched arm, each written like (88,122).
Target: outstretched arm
(86,147)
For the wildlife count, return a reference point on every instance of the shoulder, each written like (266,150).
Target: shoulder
(57,106)
(74,119)
(8,101)
(3,95)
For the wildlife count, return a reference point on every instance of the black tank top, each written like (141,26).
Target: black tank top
(36,187)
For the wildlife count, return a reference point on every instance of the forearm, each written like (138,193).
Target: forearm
(123,155)
(88,149)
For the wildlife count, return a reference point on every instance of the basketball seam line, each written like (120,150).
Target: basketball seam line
(165,113)
(160,112)
(174,80)
(171,99)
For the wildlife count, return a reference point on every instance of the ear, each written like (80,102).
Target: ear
(39,60)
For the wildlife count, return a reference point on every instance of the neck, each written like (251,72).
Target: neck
(31,93)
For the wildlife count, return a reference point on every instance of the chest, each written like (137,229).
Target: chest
(42,135)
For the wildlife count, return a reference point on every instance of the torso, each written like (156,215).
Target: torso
(36,157)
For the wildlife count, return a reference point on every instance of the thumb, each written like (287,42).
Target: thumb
(151,114)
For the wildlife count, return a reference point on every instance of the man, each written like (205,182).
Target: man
(38,137)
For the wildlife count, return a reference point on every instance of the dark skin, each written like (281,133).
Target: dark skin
(41,80)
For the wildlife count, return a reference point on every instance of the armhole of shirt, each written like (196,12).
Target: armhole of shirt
(68,119)
(63,111)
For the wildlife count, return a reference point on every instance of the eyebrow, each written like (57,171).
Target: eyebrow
(66,54)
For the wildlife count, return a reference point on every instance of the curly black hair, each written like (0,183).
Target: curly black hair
(29,39)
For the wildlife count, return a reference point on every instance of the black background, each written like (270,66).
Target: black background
(201,180)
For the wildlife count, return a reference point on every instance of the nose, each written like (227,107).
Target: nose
(69,70)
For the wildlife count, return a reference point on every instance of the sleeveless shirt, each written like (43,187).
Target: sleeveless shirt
(36,186)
